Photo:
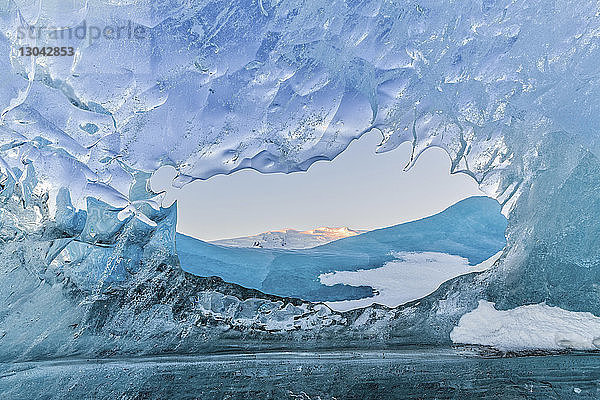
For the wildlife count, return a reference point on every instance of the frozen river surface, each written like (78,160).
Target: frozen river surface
(418,373)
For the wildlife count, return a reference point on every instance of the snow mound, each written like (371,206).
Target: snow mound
(525,328)
(409,277)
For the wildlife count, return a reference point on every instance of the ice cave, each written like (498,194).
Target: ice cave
(509,89)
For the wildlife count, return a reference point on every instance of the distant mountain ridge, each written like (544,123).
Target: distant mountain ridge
(291,238)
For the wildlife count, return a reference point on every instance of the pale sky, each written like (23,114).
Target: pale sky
(359,189)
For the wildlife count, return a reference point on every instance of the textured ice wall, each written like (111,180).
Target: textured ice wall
(275,85)
(509,88)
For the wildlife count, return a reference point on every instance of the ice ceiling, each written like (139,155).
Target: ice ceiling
(510,89)
(215,86)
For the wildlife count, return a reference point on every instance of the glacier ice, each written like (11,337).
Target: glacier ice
(508,88)
(471,230)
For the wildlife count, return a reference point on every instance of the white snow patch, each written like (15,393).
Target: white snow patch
(531,327)
(411,276)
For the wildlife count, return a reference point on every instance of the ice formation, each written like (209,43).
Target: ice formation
(470,231)
(508,88)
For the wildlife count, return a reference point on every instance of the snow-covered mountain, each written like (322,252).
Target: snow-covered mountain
(291,238)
